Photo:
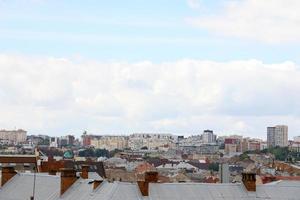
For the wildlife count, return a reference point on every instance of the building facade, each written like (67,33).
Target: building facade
(277,136)
(152,141)
(208,137)
(110,142)
(15,136)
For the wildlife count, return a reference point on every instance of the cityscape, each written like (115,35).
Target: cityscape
(149,100)
(139,158)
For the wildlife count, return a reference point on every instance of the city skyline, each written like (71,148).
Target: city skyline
(78,135)
(157,66)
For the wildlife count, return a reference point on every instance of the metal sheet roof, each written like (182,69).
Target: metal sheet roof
(192,191)
(48,188)
(20,187)
(117,191)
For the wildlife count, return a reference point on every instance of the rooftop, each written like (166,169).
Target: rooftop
(20,187)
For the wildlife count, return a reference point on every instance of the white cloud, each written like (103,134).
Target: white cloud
(273,21)
(54,95)
(194,4)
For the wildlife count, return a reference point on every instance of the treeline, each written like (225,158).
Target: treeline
(280,153)
(283,154)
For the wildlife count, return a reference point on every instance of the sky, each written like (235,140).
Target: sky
(171,66)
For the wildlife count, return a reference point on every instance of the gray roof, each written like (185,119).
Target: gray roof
(192,191)
(20,187)
(280,191)
(82,189)
(48,188)
(95,176)
(117,191)
(91,175)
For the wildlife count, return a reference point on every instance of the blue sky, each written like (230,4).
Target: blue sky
(164,66)
(125,30)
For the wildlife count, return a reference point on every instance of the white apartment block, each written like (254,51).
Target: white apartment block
(110,142)
(208,137)
(153,141)
(16,136)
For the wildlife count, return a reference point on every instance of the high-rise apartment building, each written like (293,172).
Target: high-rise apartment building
(277,136)
(208,136)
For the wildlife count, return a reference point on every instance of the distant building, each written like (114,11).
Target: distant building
(15,136)
(67,140)
(86,139)
(233,145)
(208,137)
(54,142)
(249,144)
(297,139)
(277,136)
(152,141)
(263,145)
(202,149)
(110,142)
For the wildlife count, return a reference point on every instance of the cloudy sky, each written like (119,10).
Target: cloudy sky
(178,66)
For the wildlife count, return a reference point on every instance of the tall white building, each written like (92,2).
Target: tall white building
(208,137)
(277,136)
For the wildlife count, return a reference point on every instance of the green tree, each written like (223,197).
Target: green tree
(244,156)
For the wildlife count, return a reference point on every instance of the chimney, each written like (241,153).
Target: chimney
(7,173)
(51,166)
(85,171)
(97,183)
(249,181)
(150,177)
(67,178)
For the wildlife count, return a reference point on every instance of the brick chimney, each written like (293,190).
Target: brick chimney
(150,177)
(249,181)
(7,173)
(67,178)
(51,166)
(85,171)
